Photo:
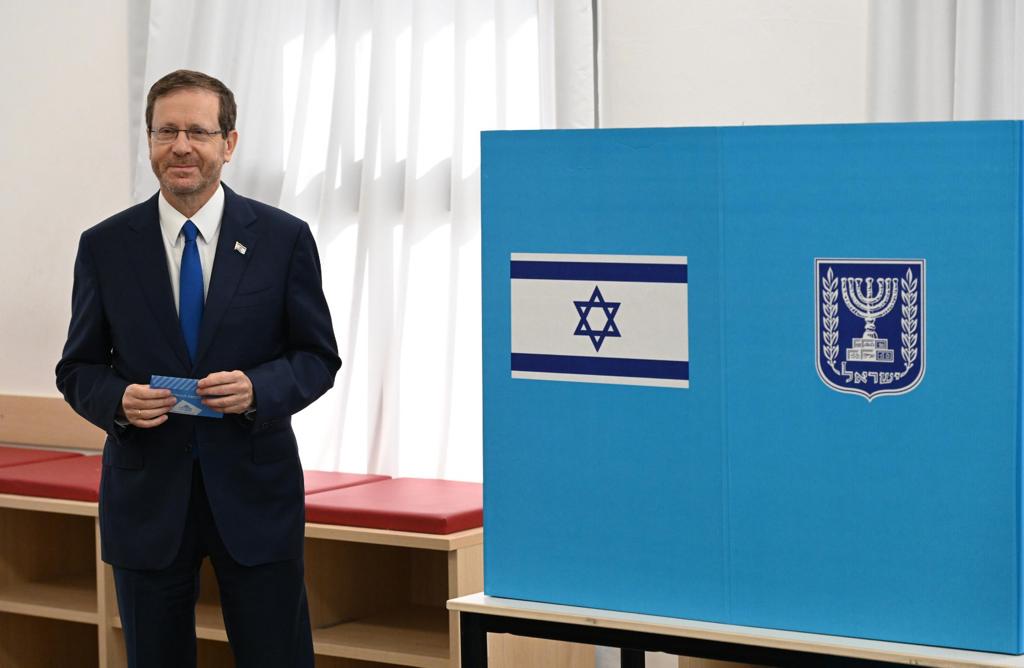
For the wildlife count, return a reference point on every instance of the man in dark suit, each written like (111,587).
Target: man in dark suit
(199,282)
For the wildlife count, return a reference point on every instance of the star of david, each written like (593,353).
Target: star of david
(597,301)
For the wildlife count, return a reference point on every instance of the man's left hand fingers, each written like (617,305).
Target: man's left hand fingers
(221,378)
(229,404)
(223,390)
(225,402)
(215,382)
(226,391)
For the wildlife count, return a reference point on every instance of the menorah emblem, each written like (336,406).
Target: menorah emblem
(885,302)
(870,306)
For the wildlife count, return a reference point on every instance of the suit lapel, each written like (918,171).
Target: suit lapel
(228,265)
(150,260)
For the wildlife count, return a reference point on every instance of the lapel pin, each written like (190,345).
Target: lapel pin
(240,248)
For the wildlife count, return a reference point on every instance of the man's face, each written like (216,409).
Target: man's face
(188,168)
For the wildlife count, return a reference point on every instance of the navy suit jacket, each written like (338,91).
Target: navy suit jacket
(265,314)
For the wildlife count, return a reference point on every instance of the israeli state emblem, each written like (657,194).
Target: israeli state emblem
(870,325)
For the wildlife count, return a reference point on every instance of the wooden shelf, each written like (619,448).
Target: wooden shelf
(390,585)
(413,636)
(209,622)
(44,505)
(422,541)
(416,636)
(72,599)
(34,642)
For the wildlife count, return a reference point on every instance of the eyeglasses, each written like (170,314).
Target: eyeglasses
(195,135)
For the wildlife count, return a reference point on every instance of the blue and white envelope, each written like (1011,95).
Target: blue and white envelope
(185,391)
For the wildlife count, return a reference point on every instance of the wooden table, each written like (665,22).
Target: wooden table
(635,633)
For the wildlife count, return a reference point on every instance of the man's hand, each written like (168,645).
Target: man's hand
(145,407)
(226,391)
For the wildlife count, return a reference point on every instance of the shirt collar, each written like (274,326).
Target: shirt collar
(207,219)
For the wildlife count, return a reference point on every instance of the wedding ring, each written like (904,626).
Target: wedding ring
(138,412)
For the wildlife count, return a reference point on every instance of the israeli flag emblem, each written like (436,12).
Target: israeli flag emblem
(870,325)
(618,319)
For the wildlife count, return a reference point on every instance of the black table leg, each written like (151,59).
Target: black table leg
(473,639)
(632,658)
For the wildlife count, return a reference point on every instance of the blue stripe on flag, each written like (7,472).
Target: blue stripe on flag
(601,366)
(636,272)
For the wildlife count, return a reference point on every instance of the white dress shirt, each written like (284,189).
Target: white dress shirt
(207,219)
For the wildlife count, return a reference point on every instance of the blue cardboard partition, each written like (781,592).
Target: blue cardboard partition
(764,376)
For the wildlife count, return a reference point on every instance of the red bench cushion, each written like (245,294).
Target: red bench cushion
(321,481)
(75,478)
(18,456)
(402,504)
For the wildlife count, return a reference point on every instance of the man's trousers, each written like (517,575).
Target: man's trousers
(265,610)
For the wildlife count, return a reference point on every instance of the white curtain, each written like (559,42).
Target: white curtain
(363,118)
(931,60)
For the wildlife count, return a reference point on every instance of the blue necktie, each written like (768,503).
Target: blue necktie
(190,296)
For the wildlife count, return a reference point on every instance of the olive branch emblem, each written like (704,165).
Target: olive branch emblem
(908,322)
(830,319)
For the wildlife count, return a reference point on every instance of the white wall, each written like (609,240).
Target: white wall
(732,62)
(64,166)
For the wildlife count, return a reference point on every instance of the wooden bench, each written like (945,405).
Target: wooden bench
(16,456)
(377,593)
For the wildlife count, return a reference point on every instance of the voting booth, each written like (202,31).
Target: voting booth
(766,376)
